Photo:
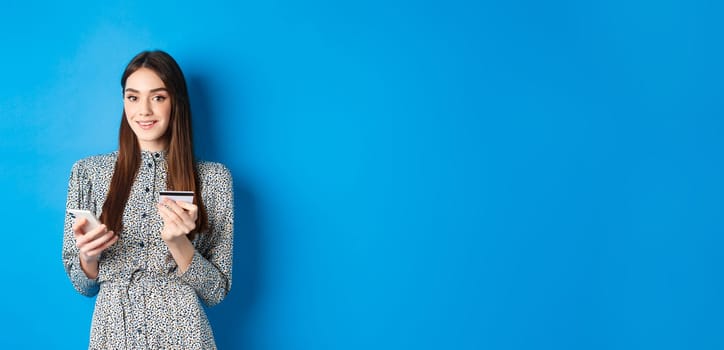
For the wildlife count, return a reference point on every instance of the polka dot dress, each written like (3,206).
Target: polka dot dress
(142,301)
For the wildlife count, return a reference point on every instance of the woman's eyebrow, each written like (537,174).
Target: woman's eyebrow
(152,90)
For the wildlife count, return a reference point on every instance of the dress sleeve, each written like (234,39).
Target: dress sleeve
(78,198)
(210,270)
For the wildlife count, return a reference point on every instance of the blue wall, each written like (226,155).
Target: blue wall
(409,174)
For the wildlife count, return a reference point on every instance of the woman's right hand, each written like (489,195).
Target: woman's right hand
(91,244)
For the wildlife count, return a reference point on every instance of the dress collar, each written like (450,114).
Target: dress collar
(155,155)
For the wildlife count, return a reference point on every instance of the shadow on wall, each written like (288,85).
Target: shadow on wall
(229,319)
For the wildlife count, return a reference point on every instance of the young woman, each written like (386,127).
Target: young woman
(151,261)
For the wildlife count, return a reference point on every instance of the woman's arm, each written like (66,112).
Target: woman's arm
(207,270)
(78,198)
(179,219)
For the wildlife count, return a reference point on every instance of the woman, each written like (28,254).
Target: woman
(152,261)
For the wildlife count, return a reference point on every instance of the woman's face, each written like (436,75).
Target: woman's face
(148,108)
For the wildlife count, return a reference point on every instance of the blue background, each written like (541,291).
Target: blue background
(408,174)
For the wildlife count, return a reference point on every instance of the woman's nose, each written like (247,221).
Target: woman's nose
(145,109)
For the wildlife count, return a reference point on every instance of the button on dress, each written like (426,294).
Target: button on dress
(142,302)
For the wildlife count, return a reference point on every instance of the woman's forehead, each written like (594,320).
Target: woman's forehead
(144,80)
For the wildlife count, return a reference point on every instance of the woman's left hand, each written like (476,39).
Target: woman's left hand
(179,219)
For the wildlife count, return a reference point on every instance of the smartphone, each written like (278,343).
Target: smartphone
(92,221)
(179,196)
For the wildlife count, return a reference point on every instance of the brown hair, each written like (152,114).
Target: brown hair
(182,173)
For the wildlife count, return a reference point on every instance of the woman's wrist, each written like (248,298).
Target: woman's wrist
(87,260)
(89,265)
(175,240)
(182,251)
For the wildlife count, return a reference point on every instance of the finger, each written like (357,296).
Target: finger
(165,208)
(166,213)
(99,250)
(94,244)
(189,207)
(189,214)
(181,226)
(78,225)
(78,236)
(186,211)
(176,214)
(186,205)
(174,222)
(175,207)
(94,233)
(81,238)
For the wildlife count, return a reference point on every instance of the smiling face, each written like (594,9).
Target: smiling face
(147,105)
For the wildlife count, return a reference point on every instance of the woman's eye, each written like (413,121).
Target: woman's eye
(132,98)
(159,98)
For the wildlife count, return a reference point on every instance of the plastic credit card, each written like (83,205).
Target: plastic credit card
(179,196)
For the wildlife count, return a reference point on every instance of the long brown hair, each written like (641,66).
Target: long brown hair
(182,174)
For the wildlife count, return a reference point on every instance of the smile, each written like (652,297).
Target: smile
(145,125)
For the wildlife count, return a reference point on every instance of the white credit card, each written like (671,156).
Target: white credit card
(179,196)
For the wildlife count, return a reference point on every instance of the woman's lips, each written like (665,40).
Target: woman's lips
(146,125)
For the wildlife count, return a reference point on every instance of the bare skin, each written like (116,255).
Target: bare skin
(147,105)
(91,244)
(179,219)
